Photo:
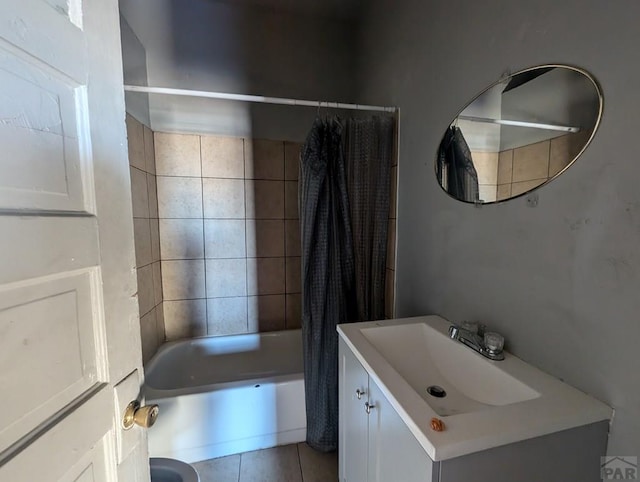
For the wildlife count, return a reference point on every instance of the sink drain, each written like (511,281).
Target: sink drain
(436,391)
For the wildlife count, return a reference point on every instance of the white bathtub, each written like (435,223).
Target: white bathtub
(225,395)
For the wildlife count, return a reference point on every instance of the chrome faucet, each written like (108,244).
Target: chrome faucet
(490,345)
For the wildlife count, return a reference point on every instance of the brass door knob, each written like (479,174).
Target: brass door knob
(135,414)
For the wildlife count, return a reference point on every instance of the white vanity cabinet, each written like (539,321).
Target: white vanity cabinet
(375,444)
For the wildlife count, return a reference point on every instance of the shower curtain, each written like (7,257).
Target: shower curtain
(369,151)
(454,169)
(331,265)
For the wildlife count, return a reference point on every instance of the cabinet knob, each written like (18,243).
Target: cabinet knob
(368,406)
(359,393)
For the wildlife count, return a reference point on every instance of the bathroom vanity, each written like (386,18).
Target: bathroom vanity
(503,420)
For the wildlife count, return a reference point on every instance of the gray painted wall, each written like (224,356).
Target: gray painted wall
(561,280)
(134,62)
(241,48)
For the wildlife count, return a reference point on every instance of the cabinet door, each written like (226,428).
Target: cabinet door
(394,453)
(353,431)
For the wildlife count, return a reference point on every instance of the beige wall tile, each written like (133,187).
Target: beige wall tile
(223,198)
(393,193)
(183,279)
(264,159)
(265,276)
(149,151)
(505,166)
(486,164)
(135,143)
(155,239)
(181,239)
(561,154)
(226,277)
(149,335)
(145,289)
(142,241)
(139,193)
(524,186)
(224,238)
(226,316)
(391,244)
(531,162)
(177,154)
(265,238)
(293,311)
(504,191)
(389,294)
(293,274)
(265,199)
(291,200)
(487,193)
(291,160)
(160,324)
(185,319)
(157,282)
(266,313)
(152,193)
(222,157)
(292,237)
(179,197)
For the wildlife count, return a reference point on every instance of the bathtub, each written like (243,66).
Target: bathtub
(225,395)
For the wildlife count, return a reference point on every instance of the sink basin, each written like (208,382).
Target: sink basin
(425,357)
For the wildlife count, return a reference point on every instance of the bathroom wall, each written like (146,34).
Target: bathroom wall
(134,64)
(561,279)
(229,234)
(246,48)
(146,235)
(241,48)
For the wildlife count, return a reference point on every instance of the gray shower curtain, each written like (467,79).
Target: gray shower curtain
(369,152)
(335,259)
(328,296)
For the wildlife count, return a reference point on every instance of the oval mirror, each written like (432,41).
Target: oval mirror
(520,133)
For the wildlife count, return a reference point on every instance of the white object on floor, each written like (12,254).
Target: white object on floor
(171,470)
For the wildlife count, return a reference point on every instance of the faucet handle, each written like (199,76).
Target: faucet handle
(493,342)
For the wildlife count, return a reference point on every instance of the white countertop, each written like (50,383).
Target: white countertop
(558,406)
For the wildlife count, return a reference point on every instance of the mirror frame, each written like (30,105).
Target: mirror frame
(503,78)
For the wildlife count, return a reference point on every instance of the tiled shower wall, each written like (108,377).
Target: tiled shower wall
(511,172)
(526,167)
(229,234)
(146,235)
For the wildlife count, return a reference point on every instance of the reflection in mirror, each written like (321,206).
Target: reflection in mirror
(518,134)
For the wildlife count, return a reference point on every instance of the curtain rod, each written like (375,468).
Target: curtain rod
(535,125)
(255,98)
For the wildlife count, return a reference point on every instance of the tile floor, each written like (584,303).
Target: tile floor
(288,463)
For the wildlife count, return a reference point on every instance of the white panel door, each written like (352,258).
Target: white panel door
(69,329)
